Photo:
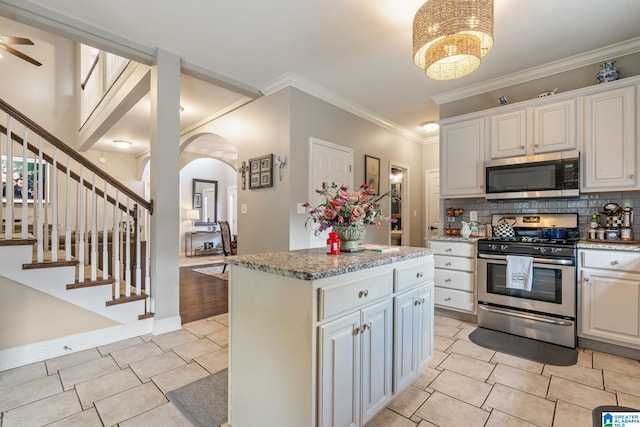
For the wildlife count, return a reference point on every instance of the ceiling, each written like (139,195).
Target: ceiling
(358,52)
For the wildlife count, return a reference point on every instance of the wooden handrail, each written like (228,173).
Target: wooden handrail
(148,205)
(93,67)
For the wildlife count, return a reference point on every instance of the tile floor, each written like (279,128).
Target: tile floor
(125,384)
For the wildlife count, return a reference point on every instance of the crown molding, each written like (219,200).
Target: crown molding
(581,60)
(298,82)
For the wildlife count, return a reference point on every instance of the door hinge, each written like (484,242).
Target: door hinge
(350,170)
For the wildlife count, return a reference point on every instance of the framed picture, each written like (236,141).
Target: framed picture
(23,178)
(261,172)
(372,172)
(197,200)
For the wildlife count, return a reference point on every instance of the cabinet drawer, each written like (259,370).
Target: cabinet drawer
(611,260)
(341,297)
(454,263)
(407,277)
(453,248)
(457,300)
(452,279)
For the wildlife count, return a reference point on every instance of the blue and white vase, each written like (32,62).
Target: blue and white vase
(609,72)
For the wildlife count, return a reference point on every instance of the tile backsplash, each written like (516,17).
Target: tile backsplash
(585,206)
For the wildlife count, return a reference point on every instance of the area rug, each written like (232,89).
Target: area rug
(537,351)
(203,402)
(215,270)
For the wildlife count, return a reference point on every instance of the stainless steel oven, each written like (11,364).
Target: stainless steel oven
(546,312)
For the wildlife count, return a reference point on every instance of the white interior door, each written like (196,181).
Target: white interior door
(329,163)
(208,204)
(432,184)
(401,235)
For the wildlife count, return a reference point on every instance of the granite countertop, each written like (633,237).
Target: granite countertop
(452,239)
(313,264)
(610,245)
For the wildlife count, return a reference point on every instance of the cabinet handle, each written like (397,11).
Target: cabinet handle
(363,294)
(615,262)
(448,299)
(419,274)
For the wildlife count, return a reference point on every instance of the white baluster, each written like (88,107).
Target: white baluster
(94,229)
(116,245)
(147,277)
(127,239)
(25,185)
(67,212)
(136,224)
(8,229)
(39,202)
(80,240)
(105,236)
(54,206)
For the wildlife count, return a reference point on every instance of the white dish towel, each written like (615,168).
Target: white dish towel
(519,272)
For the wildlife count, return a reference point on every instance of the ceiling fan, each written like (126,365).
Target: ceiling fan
(5,41)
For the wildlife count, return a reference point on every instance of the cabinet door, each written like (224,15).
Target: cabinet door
(611,306)
(610,155)
(554,127)
(405,364)
(509,134)
(339,376)
(425,326)
(377,346)
(462,159)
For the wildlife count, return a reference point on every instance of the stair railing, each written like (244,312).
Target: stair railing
(47,200)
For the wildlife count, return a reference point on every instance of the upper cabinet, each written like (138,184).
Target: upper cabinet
(535,130)
(610,156)
(554,127)
(462,159)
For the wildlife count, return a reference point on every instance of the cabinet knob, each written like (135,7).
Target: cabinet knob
(419,274)
(447,280)
(448,299)
(536,145)
(448,250)
(356,331)
(631,176)
(447,264)
(615,262)
(363,294)
(366,326)
(417,303)
(586,278)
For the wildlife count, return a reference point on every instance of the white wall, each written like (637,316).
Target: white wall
(210,169)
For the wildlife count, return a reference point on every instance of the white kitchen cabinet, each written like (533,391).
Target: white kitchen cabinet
(610,297)
(411,350)
(554,127)
(455,275)
(320,351)
(462,158)
(539,129)
(509,134)
(610,155)
(356,366)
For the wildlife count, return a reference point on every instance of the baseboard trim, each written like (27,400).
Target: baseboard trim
(169,324)
(31,353)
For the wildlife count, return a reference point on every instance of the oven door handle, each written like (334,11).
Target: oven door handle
(536,260)
(525,316)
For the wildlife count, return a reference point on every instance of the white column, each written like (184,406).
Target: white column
(165,190)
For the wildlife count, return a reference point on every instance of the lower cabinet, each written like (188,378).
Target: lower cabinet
(355,366)
(610,297)
(413,331)
(325,352)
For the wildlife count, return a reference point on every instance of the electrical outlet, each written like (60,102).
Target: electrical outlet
(473,215)
(301,209)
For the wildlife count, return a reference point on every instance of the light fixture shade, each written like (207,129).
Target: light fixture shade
(451,36)
(430,126)
(193,214)
(121,143)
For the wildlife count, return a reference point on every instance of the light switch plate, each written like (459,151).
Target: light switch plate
(243,208)
(301,209)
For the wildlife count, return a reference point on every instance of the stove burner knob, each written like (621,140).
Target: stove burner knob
(554,251)
(493,247)
(542,250)
(504,247)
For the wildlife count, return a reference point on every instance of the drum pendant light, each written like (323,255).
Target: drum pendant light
(450,37)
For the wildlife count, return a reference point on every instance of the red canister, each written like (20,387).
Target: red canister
(334,243)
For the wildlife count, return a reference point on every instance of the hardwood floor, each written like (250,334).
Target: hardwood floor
(201,295)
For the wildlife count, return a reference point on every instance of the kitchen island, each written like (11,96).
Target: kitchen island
(323,340)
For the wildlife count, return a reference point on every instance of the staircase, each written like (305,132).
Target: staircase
(60,201)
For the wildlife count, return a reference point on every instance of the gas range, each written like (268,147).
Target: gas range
(532,236)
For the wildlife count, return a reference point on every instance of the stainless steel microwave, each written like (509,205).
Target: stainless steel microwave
(534,177)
